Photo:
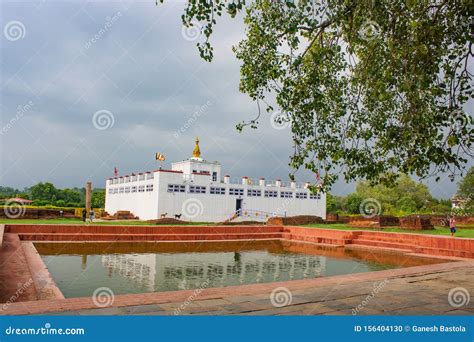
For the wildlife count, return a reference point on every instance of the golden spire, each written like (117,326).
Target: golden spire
(197,151)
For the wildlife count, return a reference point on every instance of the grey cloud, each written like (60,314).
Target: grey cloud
(142,70)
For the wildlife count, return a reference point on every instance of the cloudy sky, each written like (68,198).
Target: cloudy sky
(89,86)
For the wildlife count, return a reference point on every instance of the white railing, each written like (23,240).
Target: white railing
(256,182)
(253,213)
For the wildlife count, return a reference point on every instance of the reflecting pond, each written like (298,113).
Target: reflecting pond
(80,268)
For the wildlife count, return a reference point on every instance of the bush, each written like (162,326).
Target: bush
(439,209)
(406,204)
(60,203)
(353,202)
(40,203)
(331,204)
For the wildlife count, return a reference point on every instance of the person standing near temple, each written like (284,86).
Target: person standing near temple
(452,224)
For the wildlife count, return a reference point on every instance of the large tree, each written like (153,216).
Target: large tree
(466,191)
(44,191)
(69,195)
(6,192)
(466,185)
(98,198)
(371,88)
(406,195)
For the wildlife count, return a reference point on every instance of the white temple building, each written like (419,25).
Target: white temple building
(196,190)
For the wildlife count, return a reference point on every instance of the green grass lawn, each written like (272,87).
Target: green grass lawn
(466,233)
(79,221)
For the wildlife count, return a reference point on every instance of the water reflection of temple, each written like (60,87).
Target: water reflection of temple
(188,271)
(140,268)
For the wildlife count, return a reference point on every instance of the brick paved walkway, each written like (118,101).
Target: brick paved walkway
(420,290)
(15,275)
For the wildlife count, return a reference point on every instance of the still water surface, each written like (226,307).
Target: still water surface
(80,268)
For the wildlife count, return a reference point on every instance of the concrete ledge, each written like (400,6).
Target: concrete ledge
(2,230)
(16,282)
(45,285)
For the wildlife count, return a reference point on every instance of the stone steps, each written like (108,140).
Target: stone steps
(145,237)
(388,238)
(398,250)
(396,244)
(107,229)
(317,239)
(445,252)
(385,244)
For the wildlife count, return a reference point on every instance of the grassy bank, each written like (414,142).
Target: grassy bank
(467,233)
(462,232)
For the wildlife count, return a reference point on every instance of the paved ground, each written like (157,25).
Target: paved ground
(15,277)
(421,290)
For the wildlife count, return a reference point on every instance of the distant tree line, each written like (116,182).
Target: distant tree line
(466,187)
(46,194)
(404,198)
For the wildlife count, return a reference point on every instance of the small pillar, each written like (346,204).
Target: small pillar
(245,180)
(226,179)
(261,181)
(88,197)
(293,184)
(278,182)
